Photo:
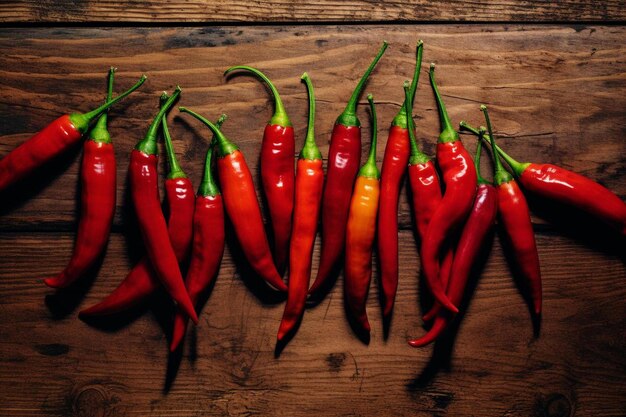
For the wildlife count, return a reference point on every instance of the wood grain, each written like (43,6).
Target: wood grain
(556,94)
(286,11)
(120,367)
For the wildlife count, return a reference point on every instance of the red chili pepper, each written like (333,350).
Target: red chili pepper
(344,158)
(242,205)
(141,282)
(394,166)
(515,220)
(476,229)
(459,178)
(98,175)
(145,195)
(309,183)
(567,187)
(208,243)
(52,140)
(360,233)
(425,187)
(277,171)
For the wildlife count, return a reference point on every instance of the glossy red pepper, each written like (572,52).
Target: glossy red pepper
(515,220)
(143,181)
(567,187)
(242,206)
(360,233)
(344,158)
(53,140)
(277,171)
(208,243)
(394,166)
(98,175)
(309,184)
(475,232)
(459,177)
(142,282)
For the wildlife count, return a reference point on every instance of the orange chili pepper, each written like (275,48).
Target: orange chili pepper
(360,232)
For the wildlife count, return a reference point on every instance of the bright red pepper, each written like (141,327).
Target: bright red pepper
(208,243)
(344,158)
(309,184)
(473,237)
(53,140)
(459,178)
(515,220)
(277,170)
(360,233)
(567,187)
(142,282)
(392,172)
(98,175)
(242,206)
(143,181)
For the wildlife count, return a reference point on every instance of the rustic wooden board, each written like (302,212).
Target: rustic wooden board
(286,11)
(494,364)
(557,94)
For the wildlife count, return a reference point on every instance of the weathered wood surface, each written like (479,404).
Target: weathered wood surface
(62,11)
(556,93)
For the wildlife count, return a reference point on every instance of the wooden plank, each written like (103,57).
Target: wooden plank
(492,364)
(314,11)
(556,94)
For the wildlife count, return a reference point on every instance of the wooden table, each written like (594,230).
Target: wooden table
(554,77)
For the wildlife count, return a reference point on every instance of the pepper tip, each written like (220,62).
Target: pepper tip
(420,43)
(304,76)
(483,107)
(432,67)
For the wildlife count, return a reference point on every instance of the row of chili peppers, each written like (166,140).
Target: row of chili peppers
(354,202)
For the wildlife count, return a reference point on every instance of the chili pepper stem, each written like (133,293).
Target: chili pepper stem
(448,133)
(149,143)
(348,117)
(224,146)
(208,186)
(280,117)
(310,150)
(99,133)
(479,148)
(369,169)
(175,170)
(417,156)
(82,120)
(501,175)
(400,119)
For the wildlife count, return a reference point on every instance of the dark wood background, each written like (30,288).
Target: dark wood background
(554,76)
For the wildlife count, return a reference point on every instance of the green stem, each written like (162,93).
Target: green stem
(400,119)
(99,133)
(280,117)
(310,150)
(417,157)
(175,170)
(479,151)
(348,117)
(369,169)
(81,121)
(208,186)
(517,167)
(149,143)
(448,134)
(500,175)
(224,146)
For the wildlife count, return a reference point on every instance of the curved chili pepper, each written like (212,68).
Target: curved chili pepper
(515,220)
(143,181)
(141,282)
(208,243)
(392,172)
(476,229)
(51,141)
(425,186)
(360,232)
(567,187)
(344,158)
(242,205)
(98,175)
(309,184)
(459,178)
(277,170)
